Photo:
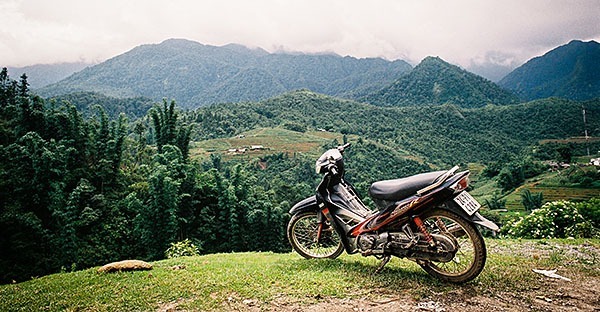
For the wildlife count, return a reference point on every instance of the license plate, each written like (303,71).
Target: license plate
(467,203)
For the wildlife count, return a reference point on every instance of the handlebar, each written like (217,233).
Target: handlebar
(341,148)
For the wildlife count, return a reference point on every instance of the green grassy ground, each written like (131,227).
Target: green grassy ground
(267,280)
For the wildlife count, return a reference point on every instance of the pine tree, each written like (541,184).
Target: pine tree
(23,87)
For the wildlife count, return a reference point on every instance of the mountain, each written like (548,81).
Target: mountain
(196,75)
(571,71)
(42,75)
(434,81)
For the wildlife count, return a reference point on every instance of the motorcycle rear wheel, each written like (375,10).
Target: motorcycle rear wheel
(302,233)
(470,258)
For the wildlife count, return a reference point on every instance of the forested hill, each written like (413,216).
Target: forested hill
(195,74)
(571,71)
(42,75)
(434,81)
(88,102)
(445,134)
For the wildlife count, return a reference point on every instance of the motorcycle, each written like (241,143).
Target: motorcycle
(428,218)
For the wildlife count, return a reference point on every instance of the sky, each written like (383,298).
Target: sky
(468,33)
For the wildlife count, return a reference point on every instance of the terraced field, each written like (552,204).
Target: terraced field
(264,141)
(546,184)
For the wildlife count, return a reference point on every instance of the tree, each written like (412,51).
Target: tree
(511,176)
(23,87)
(156,222)
(532,201)
(164,120)
(166,129)
(495,202)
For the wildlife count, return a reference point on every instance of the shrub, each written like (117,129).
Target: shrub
(559,219)
(292,126)
(531,201)
(590,211)
(495,203)
(182,249)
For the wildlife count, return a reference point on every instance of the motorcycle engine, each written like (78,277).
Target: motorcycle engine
(376,244)
(407,244)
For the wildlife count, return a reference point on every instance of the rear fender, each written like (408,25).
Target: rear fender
(476,218)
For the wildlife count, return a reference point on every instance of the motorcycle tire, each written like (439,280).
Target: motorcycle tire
(469,260)
(302,233)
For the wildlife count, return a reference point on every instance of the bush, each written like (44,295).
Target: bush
(292,126)
(515,173)
(531,201)
(590,211)
(495,203)
(182,249)
(559,219)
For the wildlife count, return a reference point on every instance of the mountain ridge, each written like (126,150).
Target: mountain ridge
(434,81)
(571,71)
(195,74)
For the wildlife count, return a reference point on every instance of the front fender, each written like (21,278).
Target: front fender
(307,204)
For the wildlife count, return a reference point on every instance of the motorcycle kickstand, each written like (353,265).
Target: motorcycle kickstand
(384,261)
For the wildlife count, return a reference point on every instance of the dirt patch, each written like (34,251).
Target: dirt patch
(581,293)
(578,296)
(172,306)
(125,265)
(283,303)
(586,252)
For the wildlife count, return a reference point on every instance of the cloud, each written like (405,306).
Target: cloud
(461,32)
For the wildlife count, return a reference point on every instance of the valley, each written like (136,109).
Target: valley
(182,140)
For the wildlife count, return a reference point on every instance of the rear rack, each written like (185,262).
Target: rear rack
(439,181)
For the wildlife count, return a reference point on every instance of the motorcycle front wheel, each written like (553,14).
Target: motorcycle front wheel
(311,239)
(470,257)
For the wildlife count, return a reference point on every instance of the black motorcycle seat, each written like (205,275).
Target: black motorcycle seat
(397,189)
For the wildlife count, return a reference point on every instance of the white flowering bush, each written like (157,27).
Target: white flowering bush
(181,249)
(559,219)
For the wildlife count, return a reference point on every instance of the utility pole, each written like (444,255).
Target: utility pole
(585,131)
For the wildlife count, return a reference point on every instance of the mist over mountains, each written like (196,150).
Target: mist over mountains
(42,75)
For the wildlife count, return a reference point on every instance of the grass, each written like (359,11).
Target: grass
(211,282)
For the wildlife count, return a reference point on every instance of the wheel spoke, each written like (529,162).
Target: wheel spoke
(464,257)
(304,235)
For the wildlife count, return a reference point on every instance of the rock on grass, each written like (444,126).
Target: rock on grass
(125,265)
